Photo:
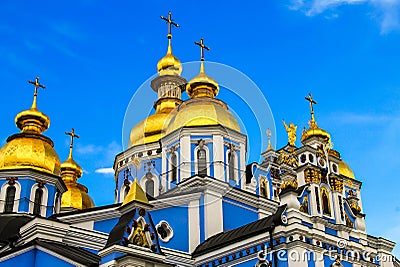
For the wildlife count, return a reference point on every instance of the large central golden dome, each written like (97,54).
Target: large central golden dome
(202,111)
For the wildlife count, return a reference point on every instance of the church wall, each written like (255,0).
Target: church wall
(105,226)
(26,259)
(44,259)
(177,218)
(237,214)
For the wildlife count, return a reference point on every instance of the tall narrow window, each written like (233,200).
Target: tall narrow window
(174,167)
(150,187)
(201,161)
(231,165)
(10,197)
(325,202)
(38,201)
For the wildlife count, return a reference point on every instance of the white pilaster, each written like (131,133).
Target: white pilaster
(194,224)
(218,143)
(213,217)
(185,158)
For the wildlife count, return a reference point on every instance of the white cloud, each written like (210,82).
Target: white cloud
(106,171)
(386,11)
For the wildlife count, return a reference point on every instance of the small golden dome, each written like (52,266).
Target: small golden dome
(202,112)
(202,85)
(76,195)
(314,130)
(345,170)
(169,64)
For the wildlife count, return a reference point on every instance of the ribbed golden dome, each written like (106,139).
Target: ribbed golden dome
(202,111)
(149,130)
(169,64)
(345,170)
(30,149)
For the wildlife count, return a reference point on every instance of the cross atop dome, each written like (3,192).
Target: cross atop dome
(37,85)
(73,135)
(170,23)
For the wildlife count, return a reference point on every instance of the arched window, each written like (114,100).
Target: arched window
(231,165)
(10,197)
(150,187)
(38,201)
(57,203)
(201,161)
(174,167)
(264,187)
(326,209)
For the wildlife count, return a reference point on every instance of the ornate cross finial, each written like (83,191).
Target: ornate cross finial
(269,134)
(37,86)
(71,142)
(312,102)
(202,47)
(170,23)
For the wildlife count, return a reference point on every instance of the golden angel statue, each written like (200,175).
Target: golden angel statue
(291,131)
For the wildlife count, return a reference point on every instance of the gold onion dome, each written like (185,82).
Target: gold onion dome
(77,194)
(202,109)
(314,130)
(169,64)
(345,170)
(30,149)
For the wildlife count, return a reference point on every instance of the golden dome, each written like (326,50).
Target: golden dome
(169,64)
(76,195)
(202,111)
(314,130)
(30,149)
(202,85)
(345,170)
(149,130)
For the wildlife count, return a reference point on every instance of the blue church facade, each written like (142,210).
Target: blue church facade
(184,193)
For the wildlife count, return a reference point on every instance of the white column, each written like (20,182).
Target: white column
(194,224)
(218,145)
(164,161)
(242,166)
(213,217)
(185,158)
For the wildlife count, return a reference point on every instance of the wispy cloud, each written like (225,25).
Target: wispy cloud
(105,171)
(360,118)
(104,154)
(385,11)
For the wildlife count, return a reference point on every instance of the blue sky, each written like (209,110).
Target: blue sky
(93,55)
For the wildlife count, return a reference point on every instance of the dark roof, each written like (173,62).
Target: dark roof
(117,233)
(236,235)
(85,210)
(76,254)
(10,225)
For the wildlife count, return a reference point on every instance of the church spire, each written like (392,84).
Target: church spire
(169,64)
(202,85)
(76,196)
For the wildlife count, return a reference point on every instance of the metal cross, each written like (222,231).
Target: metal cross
(170,23)
(73,135)
(37,85)
(202,47)
(312,101)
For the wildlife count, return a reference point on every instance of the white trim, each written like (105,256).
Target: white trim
(16,197)
(43,204)
(171,231)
